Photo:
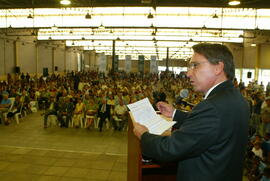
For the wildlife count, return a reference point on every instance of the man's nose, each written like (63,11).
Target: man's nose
(189,73)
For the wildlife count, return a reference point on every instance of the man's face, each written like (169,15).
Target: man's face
(201,73)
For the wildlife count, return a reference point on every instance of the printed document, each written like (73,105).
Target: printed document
(143,113)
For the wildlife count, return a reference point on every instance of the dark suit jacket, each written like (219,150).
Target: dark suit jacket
(211,140)
(107,113)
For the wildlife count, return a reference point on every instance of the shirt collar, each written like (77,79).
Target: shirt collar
(210,90)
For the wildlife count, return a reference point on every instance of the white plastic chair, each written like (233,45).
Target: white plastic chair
(33,106)
(12,99)
(17,115)
(96,122)
(80,122)
(52,120)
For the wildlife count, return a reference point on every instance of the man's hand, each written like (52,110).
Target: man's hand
(139,129)
(165,109)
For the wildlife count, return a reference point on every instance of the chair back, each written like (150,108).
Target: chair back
(12,99)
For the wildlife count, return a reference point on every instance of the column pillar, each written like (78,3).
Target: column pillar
(257,65)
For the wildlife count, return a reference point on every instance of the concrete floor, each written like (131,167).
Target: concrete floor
(30,152)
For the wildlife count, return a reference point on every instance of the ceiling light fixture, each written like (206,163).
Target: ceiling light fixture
(215,16)
(150,15)
(101,27)
(30,16)
(65,2)
(54,27)
(88,16)
(234,2)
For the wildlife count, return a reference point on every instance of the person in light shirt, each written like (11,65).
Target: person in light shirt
(257,150)
(120,115)
(4,106)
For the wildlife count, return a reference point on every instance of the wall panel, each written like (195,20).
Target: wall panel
(237,51)
(59,59)
(250,55)
(44,58)
(7,62)
(86,60)
(265,57)
(71,62)
(27,58)
(9,57)
(2,57)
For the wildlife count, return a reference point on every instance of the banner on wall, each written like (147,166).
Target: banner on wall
(141,64)
(116,62)
(153,64)
(102,62)
(128,63)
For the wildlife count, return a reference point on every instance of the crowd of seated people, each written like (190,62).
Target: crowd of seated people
(85,99)
(73,97)
(93,99)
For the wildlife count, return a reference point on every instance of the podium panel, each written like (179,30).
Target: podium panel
(140,171)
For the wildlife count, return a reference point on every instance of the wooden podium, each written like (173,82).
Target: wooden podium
(140,171)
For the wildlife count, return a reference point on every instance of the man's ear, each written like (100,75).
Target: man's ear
(219,68)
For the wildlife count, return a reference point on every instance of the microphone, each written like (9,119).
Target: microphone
(184,93)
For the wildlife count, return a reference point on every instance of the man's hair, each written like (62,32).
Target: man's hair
(216,53)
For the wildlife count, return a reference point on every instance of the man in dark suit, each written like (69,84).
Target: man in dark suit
(210,142)
(104,111)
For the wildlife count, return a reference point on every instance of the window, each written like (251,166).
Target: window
(264,75)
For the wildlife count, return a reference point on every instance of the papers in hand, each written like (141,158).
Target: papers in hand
(143,113)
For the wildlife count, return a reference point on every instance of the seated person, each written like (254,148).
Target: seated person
(25,100)
(254,171)
(91,108)
(16,108)
(120,116)
(257,150)
(65,111)
(43,99)
(78,112)
(4,106)
(265,116)
(266,174)
(52,110)
(103,112)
